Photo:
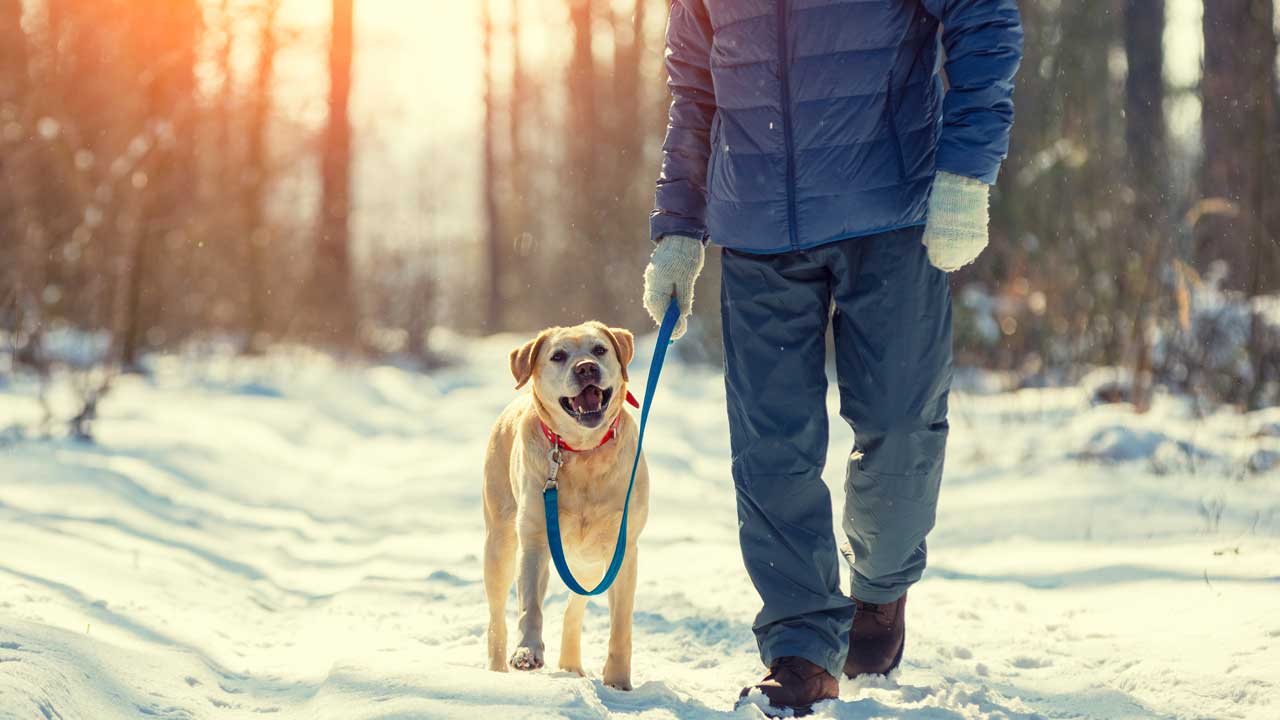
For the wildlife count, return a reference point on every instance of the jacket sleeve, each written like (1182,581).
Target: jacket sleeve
(983,42)
(680,205)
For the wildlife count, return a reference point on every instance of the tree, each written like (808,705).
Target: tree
(494,241)
(630,175)
(1240,162)
(13,51)
(254,178)
(331,297)
(1145,138)
(583,146)
(13,93)
(1073,147)
(519,116)
(1238,129)
(163,36)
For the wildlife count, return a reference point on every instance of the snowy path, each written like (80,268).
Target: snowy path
(287,537)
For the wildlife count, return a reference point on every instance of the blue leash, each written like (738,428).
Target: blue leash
(550,494)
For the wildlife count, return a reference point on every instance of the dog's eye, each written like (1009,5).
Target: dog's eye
(559,356)
(599,351)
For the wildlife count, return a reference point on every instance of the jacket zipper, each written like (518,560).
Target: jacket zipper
(785,73)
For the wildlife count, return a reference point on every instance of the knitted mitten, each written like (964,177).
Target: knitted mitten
(956,231)
(674,267)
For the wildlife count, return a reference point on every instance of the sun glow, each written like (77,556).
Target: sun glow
(418,62)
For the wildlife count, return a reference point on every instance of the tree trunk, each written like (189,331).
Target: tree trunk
(13,97)
(332,296)
(226,94)
(1237,91)
(226,159)
(628,51)
(627,178)
(254,180)
(1264,249)
(517,115)
(582,142)
(13,55)
(1088,114)
(13,90)
(494,245)
(1145,137)
(167,32)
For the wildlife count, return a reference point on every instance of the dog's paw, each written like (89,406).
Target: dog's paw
(575,669)
(619,683)
(617,678)
(526,659)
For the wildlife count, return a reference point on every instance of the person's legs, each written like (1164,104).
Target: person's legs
(892,329)
(775,310)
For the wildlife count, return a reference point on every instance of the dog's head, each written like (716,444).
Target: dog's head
(579,373)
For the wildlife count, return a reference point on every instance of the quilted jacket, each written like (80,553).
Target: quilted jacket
(796,123)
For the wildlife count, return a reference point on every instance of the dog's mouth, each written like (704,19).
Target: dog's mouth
(588,406)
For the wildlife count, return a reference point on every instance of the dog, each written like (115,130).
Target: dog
(578,380)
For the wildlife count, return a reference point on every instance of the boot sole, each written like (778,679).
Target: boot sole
(796,710)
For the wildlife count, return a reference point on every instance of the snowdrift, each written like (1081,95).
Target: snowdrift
(291,537)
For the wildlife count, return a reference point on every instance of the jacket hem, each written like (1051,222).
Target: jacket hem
(782,249)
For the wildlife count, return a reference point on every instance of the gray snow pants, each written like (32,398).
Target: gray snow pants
(892,328)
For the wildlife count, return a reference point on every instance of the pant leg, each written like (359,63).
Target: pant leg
(892,328)
(775,310)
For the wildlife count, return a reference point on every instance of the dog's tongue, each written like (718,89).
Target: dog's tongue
(589,400)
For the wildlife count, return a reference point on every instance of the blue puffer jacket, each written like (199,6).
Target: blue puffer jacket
(801,122)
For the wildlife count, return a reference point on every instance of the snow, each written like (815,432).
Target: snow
(298,538)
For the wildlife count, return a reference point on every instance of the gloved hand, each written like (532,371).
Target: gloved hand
(956,231)
(674,266)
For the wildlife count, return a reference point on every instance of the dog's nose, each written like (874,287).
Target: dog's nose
(587,371)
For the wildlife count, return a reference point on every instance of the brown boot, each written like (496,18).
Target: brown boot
(877,638)
(795,684)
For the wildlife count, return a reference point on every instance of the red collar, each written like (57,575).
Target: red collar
(555,439)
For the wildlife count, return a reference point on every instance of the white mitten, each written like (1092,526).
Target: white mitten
(674,267)
(956,231)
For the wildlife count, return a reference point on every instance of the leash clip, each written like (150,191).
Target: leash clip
(555,458)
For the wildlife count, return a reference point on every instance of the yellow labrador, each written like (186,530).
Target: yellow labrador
(578,377)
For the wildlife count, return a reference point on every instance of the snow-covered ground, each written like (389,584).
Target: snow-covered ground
(293,537)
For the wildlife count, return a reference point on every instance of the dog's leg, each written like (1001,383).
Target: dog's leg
(571,638)
(531,588)
(499,572)
(622,601)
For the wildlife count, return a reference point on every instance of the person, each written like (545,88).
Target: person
(815,144)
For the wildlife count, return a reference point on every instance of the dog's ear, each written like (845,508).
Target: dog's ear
(524,357)
(624,344)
